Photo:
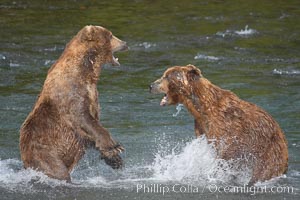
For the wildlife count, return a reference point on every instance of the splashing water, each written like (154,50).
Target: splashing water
(178,108)
(197,164)
(184,165)
(243,33)
(14,178)
(246,31)
(186,162)
(205,57)
(286,72)
(147,45)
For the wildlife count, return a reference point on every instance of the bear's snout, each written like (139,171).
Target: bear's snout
(159,86)
(154,88)
(118,45)
(151,86)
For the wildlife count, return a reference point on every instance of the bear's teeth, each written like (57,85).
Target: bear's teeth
(116,61)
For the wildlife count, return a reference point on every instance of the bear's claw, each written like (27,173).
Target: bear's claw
(119,148)
(111,156)
(115,162)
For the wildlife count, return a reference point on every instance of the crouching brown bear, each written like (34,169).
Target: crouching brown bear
(239,129)
(65,117)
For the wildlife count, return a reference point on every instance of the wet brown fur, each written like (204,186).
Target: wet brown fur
(238,128)
(65,117)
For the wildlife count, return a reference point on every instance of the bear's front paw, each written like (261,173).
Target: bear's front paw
(111,156)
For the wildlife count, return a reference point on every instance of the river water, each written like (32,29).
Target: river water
(249,47)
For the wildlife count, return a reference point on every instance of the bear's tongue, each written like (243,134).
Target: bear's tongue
(164,100)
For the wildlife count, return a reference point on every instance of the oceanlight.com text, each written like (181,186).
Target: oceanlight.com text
(212,188)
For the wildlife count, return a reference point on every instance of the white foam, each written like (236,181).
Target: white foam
(205,57)
(243,32)
(98,180)
(246,31)
(283,16)
(178,108)
(147,45)
(13,177)
(51,48)
(197,164)
(193,162)
(286,72)
(185,164)
(223,34)
(2,57)
(14,64)
(48,62)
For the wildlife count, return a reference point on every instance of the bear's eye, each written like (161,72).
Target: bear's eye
(110,36)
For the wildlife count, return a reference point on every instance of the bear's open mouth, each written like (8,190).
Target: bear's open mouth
(164,100)
(122,47)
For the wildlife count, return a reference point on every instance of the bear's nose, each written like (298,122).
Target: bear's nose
(153,88)
(150,87)
(125,47)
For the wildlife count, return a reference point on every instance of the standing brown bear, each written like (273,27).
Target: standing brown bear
(65,118)
(240,130)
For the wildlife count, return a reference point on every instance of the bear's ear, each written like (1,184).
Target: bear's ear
(193,74)
(86,34)
(90,33)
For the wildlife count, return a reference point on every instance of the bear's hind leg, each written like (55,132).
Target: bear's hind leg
(52,166)
(57,170)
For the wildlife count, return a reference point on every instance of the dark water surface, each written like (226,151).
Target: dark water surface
(249,47)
